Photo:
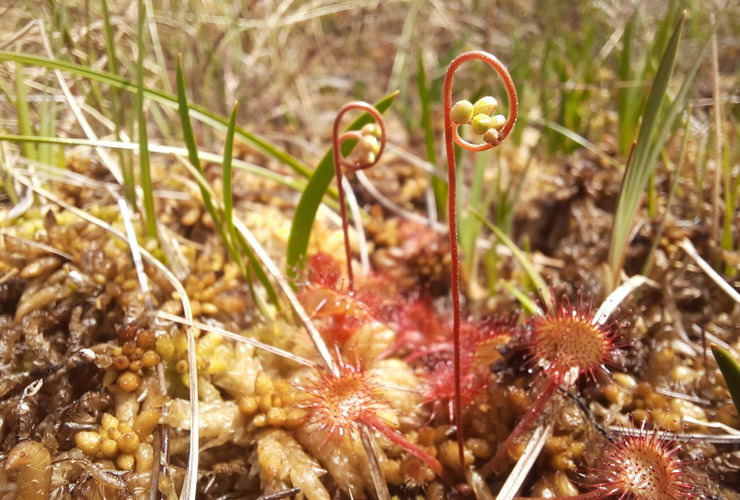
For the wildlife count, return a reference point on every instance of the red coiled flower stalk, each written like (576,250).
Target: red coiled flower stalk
(371,143)
(482,123)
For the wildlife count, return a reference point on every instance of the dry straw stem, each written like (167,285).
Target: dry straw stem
(689,248)
(518,475)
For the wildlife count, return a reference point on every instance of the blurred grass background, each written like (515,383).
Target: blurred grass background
(293,63)
(583,73)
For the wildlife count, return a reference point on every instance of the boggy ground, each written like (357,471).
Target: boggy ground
(90,371)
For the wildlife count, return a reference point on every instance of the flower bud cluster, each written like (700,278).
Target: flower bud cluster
(369,144)
(480,117)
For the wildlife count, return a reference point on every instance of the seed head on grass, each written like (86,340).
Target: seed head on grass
(645,466)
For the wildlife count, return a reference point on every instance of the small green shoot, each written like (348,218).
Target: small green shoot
(537,279)
(228,210)
(470,226)
(722,166)
(527,303)
(116,104)
(24,113)
(578,139)
(207,201)
(631,95)
(730,369)
(145,171)
(669,200)
(47,126)
(227,196)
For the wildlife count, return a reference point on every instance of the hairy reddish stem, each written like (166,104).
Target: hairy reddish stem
(452,137)
(381,426)
(534,411)
(340,161)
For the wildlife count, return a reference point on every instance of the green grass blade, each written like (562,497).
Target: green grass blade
(116,105)
(308,205)
(227,196)
(625,95)
(145,171)
(730,369)
(24,113)
(261,276)
(187,130)
(647,267)
(528,304)
(110,44)
(652,137)
(283,180)
(234,236)
(657,94)
(187,127)
(146,177)
(470,226)
(439,186)
(47,126)
(578,139)
(192,147)
(639,168)
(198,112)
(520,256)
(630,99)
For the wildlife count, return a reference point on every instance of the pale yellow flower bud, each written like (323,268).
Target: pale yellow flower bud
(481,124)
(372,129)
(498,122)
(461,112)
(370,143)
(491,136)
(485,105)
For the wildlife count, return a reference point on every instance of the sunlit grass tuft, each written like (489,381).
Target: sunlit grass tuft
(216,216)
(653,134)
